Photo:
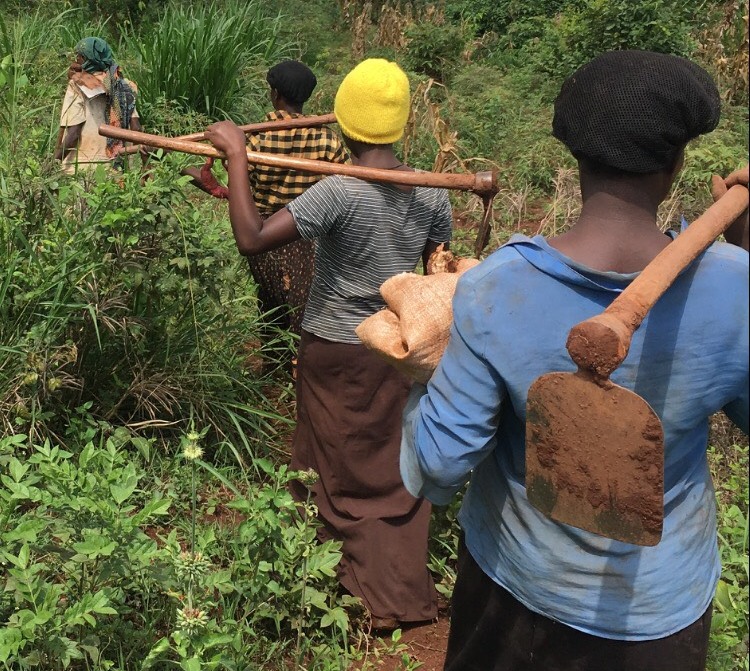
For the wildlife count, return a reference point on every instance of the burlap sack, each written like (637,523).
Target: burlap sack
(413,331)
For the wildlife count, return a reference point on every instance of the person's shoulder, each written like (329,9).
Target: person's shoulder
(727,260)
(331,185)
(132,85)
(731,253)
(504,265)
(431,194)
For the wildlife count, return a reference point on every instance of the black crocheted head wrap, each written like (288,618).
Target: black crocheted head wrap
(293,80)
(635,110)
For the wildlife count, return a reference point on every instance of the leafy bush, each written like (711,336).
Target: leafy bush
(200,55)
(606,25)
(729,626)
(118,292)
(498,15)
(505,118)
(98,575)
(75,553)
(434,50)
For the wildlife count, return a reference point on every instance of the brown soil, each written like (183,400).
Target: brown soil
(420,648)
(595,458)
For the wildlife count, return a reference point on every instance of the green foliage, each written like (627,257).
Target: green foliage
(125,298)
(433,49)
(729,627)
(443,551)
(605,25)
(74,550)
(94,574)
(499,15)
(505,118)
(125,316)
(200,55)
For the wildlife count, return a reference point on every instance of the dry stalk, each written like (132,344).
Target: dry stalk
(516,205)
(433,14)
(668,214)
(724,44)
(360,26)
(425,114)
(566,204)
(392,24)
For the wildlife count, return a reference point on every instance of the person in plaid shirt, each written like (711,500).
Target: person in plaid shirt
(284,275)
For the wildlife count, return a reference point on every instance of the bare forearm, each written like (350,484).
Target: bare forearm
(70,141)
(247,224)
(429,249)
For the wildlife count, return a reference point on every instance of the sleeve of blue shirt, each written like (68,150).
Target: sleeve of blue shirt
(451,428)
(738,410)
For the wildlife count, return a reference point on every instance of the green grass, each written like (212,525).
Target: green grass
(729,628)
(200,55)
(126,319)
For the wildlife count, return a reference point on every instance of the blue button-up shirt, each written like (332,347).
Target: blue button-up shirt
(689,359)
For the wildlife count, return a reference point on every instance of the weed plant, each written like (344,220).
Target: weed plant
(127,318)
(210,57)
(729,627)
(97,575)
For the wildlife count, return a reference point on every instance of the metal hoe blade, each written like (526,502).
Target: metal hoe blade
(595,457)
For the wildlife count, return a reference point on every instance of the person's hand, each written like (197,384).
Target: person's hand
(737,233)
(720,186)
(226,136)
(73,69)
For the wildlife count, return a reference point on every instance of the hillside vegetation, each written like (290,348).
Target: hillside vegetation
(144,517)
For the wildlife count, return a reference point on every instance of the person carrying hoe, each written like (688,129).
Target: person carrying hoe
(534,594)
(349,401)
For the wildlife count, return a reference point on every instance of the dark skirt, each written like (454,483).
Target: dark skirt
(492,631)
(349,406)
(283,277)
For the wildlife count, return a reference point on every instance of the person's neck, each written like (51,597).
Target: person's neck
(287,107)
(377,156)
(614,232)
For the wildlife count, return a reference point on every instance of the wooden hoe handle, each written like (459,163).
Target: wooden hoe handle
(601,343)
(481,183)
(281,124)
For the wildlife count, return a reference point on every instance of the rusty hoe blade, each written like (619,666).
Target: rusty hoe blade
(595,450)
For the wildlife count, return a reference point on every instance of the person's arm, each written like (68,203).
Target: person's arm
(195,173)
(739,232)
(429,249)
(440,231)
(72,118)
(454,426)
(252,234)
(70,141)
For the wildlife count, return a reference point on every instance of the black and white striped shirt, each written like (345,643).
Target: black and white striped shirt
(365,234)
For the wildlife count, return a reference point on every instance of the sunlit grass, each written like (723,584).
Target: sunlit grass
(200,55)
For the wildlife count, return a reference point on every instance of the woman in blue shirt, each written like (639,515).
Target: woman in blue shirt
(533,593)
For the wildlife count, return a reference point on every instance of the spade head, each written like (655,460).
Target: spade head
(595,457)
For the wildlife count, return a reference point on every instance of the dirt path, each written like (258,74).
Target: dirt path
(420,648)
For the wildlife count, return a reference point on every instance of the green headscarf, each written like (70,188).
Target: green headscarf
(98,55)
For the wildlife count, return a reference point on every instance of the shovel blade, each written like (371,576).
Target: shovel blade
(595,457)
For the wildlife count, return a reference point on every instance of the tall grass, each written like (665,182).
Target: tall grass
(206,56)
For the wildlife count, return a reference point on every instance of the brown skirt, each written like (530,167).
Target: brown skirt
(349,406)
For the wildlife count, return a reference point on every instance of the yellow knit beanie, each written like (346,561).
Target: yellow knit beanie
(372,103)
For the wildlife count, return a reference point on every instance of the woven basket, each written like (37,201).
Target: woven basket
(412,332)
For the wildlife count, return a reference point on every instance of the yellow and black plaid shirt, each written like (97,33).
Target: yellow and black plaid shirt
(275,187)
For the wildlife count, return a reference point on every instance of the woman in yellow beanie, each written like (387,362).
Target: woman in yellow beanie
(349,402)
